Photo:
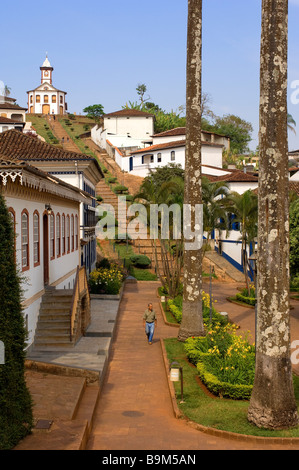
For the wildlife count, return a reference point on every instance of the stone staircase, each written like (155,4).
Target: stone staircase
(224,265)
(61,134)
(53,327)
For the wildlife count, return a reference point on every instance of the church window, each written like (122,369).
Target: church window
(31,99)
(54,99)
(46,99)
(38,98)
(61,99)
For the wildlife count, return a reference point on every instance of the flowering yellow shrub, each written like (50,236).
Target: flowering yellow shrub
(106,280)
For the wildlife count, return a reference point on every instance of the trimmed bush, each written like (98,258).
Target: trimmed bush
(246,300)
(111,180)
(140,261)
(120,189)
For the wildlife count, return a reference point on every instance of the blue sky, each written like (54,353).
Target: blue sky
(101,50)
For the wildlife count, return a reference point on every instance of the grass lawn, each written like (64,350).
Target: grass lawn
(222,414)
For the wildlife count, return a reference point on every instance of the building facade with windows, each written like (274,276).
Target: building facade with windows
(45,213)
(78,170)
(46,99)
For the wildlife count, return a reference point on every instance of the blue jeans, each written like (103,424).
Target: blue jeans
(149,330)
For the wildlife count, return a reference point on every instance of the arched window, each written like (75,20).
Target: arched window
(76,233)
(58,236)
(46,99)
(54,99)
(25,240)
(68,240)
(37,98)
(173,156)
(63,233)
(52,236)
(36,239)
(73,232)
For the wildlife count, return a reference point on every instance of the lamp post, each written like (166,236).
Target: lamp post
(176,375)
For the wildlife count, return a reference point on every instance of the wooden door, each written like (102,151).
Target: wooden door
(46,109)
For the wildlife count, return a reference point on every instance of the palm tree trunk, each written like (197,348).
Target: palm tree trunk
(192,321)
(273,404)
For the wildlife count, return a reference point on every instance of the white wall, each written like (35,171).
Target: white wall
(136,127)
(59,267)
(210,156)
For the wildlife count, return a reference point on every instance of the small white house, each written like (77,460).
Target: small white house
(141,161)
(7,124)
(10,110)
(130,127)
(179,133)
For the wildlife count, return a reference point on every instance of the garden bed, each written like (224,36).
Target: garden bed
(214,412)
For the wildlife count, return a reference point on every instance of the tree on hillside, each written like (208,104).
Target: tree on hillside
(15,401)
(192,319)
(272,404)
(141,90)
(94,112)
(237,129)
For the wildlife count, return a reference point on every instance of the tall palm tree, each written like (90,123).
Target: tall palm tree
(245,208)
(192,319)
(169,194)
(272,403)
(291,123)
(214,195)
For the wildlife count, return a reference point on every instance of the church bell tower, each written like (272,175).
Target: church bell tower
(47,71)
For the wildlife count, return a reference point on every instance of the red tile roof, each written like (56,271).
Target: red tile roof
(11,106)
(5,120)
(15,145)
(175,144)
(129,113)
(234,176)
(182,131)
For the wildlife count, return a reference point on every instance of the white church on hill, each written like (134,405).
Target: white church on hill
(46,99)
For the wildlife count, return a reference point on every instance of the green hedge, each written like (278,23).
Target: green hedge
(140,261)
(246,300)
(176,311)
(223,389)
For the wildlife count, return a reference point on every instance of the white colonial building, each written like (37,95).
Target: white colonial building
(46,99)
(45,212)
(79,170)
(126,129)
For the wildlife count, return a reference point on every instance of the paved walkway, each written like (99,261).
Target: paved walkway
(134,411)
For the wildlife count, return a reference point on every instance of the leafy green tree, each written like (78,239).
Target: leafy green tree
(95,112)
(15,401)
(237,129)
